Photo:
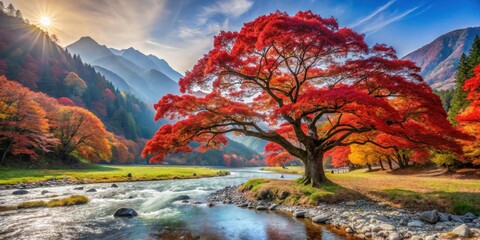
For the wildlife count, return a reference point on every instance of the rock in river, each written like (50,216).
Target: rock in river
(114,186)
(299,214)
(429,216)
(20,192)
(181,198)
(320,218)
(462,231)
(92,190)
(44,192)
(125,212)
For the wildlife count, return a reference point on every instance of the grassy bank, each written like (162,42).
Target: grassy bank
(102,173)
(288,170)
(413,192)
(292,193)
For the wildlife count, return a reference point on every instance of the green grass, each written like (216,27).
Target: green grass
(288,170)
(103,173)
(292,193)
(457,196)
(68,201)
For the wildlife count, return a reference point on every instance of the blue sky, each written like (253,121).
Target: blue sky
(181,31)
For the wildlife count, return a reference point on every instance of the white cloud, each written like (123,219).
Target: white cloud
(228,8)
(372,15)
(384,21)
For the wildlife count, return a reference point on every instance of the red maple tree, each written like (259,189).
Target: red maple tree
(315,85)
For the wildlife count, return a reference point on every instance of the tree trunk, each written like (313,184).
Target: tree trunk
(314,171)
(389,161)
(369,167)
(6,152)
(381,165)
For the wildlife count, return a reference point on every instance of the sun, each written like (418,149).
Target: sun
(45,21)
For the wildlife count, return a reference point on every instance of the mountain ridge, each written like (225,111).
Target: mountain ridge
(439,58)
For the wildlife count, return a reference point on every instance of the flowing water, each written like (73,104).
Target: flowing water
(160,217)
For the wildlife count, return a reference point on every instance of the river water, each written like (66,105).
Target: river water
(160,217)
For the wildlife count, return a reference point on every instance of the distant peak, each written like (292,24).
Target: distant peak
(87,38)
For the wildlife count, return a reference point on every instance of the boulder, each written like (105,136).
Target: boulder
(92,190)
(429,216)
(394,236)
(462,230)
(415,224)
(20,192)
(125,212)
(261,208)
(78,188)
(349,230)
(443,217)
(251,205)
(185,201)
(114,186)
(469,215)
(387,227)
(323,218)
(211,204)
(273,207)
(44,192)
(456,218)
(299,214)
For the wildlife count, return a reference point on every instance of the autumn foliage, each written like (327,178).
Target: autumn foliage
(33,124)
(469,119)
(316,86)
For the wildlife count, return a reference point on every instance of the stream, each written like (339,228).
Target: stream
(160,216)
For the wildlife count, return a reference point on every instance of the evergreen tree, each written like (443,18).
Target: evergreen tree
(459,99)
(11,10)
(464,72)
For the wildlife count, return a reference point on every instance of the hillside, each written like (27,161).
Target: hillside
(30,57)
(147,77)
(439,59)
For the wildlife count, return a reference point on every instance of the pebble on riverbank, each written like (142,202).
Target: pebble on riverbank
(370,220)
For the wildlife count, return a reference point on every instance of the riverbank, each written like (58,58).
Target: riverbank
(364,218)
(417,190)
(33,178)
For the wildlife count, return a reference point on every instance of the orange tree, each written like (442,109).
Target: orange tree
(312,83)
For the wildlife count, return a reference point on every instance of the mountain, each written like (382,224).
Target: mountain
(439,59)
(30,57)
(147,77)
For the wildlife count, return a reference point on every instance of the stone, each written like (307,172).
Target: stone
(416,237)
(273,207)
(387,227)
(299,214)
(469,215)
(114,186)
(394,236)
(429,216)
(20,192)
(251,205)
(261,208)
(443,217)
(243,205)
(185,201)
(211,204)
(125,212)
(323,218)
(432,237)
(44,192)
(78,188)
(462,230)
(92,190)
(351,203)
(349,230)
(416,224)
(456,218)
